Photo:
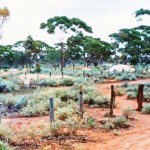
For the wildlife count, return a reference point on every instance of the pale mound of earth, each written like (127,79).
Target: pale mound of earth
(120,67)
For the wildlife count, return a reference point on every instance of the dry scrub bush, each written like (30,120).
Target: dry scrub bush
(128,112)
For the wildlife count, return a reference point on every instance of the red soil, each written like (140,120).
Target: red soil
(134,138)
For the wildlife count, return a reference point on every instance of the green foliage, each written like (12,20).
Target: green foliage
(21,102)
(131,91)
(34,109)
(125,84)
(120,122)
(8,100)
(37,104)
(66,82)
(146,109)
(126,76)
(5,146)
(48,82)
(64,112)
(98,80)
(72,125)
(102,101)
(147,92)
(6,133)
(116,123)
(69,110)
(119,92)
(90,122)
(55,128)
(38,68)
(8,86)
(142,12)
(65,24)
(67,95)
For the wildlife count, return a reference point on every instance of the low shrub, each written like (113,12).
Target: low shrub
(128,112)
(55,128)
(116,123)
(6,133)
(66,82)
(90,122)
(146,109)
(126,76)
(8,86)
(72,125)
(34,109)
(66,112)
(48,82)
(67,95)
(5,146)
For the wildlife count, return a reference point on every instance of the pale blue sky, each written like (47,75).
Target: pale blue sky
(104,16)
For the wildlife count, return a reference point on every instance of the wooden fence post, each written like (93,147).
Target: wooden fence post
(11,76)
(51,108)
(83,74)
(140,97)
(112,100)
(115,71)
(1,109)
(81,104)
(62,74)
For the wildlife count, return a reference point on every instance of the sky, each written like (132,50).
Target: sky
(104,16)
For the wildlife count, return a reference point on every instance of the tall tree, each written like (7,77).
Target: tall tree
(33,49)
(65,26)
(4,15)
(75,49)
(96,50)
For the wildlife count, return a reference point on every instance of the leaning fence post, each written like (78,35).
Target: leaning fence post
(112,100)
(51,108)
(1,109)
(81,104)
(140,97)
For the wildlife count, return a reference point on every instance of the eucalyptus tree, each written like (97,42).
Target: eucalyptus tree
(95,50)
(6,55)
(66,27)
(141,12)
(145,32)
(75,49)
(53,57)
(4,16)
(129,43)
(34,50)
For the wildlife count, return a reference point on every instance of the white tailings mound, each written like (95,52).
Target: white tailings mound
(120,67)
